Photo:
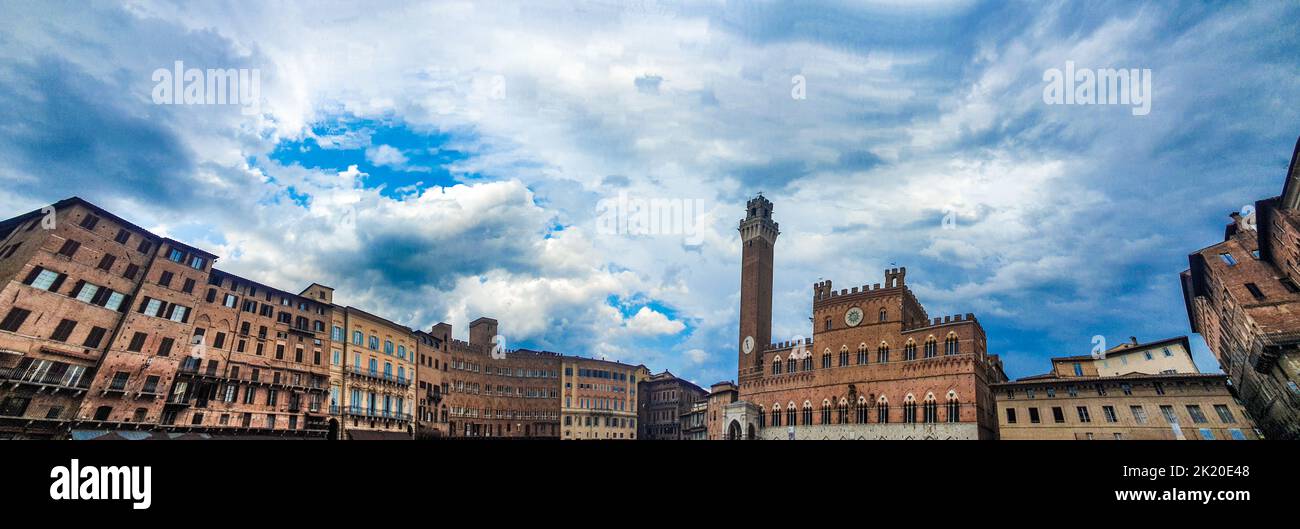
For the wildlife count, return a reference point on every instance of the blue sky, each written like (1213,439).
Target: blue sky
(441,162)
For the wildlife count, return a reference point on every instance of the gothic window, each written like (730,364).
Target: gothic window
(790,364)
(882,353)
(950,346)
(909,350)
(862,354)
(884,315)
(930,410)
(909,410)
(776,415)
(931,347)
(863,410)
(807,413)
(882,411)
(844,355)
(826,359)
(762,417)
(843,412)
(954,407)
(828,324)
(826,412)
(791,415)
(776,366)
(807,363)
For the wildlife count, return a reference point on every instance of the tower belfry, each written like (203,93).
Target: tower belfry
(758,233)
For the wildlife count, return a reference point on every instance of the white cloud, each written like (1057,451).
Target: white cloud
(648,321)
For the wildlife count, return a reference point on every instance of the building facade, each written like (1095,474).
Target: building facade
(496,392)
(1243,297)
(375,386)
(1151,400)
(108,327)
(665,398)
(877,366)
(600,399)
(721,395)
(694,423)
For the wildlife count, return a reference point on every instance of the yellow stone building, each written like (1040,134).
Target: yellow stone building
(599,398)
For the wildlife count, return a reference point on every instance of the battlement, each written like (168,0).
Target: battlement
(824,290)
(925,324)
(778,346)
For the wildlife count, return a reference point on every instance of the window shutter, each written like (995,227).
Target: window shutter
(31,277)
(58,282)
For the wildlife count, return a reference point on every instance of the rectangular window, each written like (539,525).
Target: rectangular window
(89,222)
(14,319)
(1168,412)
(95,337)
(1228,258)
(1255,291)
(106,262)
(198,263)
(131,270)
(165,279)
(122,236)
(87,292)
(176,256)
(229,301)
(1194,411)
(1084,415)
(69,248)
(137,342)
(1225,414)
(1011,415)
(1033,415)
(189,286)
(1109,412)
(46,280)
(63,330)
(165,346)
(1058,414)
(144,247)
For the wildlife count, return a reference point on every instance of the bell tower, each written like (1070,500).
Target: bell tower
(758,234)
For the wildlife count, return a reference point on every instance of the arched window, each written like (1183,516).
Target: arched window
(826,412)
(776,414)
(762,417)
(863,410)
(882,353)
(862,354)
(844,355)
(807,362)
(882,410)
(950,346)
(826,358)
(776,366)
(954,407)
(807,413)
(909,409)
(843,412)
(884,315)
(930,409)
(792,415)
(828,324)
(909,350)
(931,347)
(790,364)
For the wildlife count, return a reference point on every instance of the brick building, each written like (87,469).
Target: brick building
(664,399)
(1243,298)
(496,392)
(721,396)
(1134,391)
(877,365)
(110,327)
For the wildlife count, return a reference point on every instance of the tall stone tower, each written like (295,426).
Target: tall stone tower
(758,238)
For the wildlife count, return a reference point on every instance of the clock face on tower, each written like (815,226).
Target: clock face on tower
(748,345)
(853,317)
